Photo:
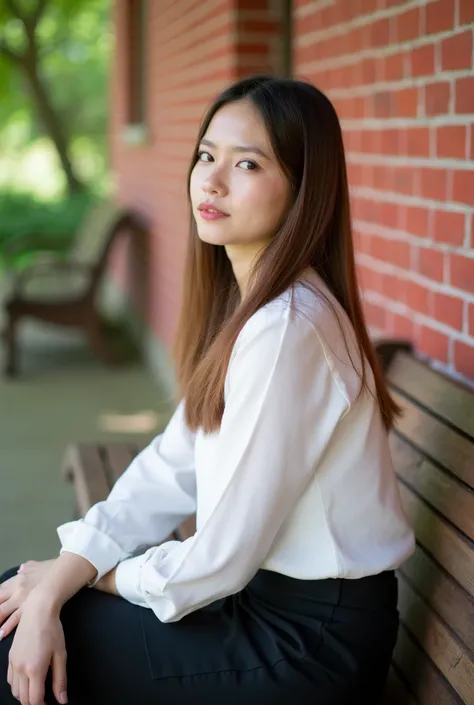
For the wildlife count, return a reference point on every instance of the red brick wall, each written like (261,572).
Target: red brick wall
(400,75)
(195,48)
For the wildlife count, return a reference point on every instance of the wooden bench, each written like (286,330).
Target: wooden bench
(94,468)
(433,451)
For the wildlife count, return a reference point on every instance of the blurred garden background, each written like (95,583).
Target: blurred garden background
(54,157)
(55,64)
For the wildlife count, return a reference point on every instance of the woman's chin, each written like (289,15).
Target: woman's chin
(214,236)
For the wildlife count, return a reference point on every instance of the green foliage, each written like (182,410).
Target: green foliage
(75,41)
(23,214)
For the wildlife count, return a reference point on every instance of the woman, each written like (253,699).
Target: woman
(287,589)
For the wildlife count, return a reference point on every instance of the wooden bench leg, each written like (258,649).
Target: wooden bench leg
(11,349)
(99,343)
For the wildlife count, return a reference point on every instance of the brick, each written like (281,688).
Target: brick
(368,278)
(448,227)
(463,187)
(406,25)
(379,104)
(461,272)
(451,141)
(456,52)
(403,327)
(366,70)
(418,142)
(396,252)
(433,343)
(466,11)
(448,310)
(388,214)
(422,61)
(434,184)
(368,6)
(391,286)
(376,34)
(417,221)
(464,88)
(439,16)
(400,179)
(390,141)
(393,67)
(375,315)
(464,358)
(417,297)
(406,103)
(431,263)
(437,97)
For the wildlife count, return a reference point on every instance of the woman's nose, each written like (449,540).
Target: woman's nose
(214,184)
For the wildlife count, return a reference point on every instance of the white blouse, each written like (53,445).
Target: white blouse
(298,479)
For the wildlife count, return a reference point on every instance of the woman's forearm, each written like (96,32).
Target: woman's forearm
(68,574)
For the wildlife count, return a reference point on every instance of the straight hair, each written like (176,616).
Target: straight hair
(316,233)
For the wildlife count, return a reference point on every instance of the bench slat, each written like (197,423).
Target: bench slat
(83,466)
(118,456)
(442,593)
(449,655)
(450,497)
(423,678)
(438,441)
(432,389)
(452,551)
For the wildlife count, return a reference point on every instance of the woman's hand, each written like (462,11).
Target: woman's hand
(38,644)
(107,583)
(15,591)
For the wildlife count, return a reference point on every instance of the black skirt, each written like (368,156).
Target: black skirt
(282,640)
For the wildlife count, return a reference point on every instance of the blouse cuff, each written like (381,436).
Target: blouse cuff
(127,579)
(86,541)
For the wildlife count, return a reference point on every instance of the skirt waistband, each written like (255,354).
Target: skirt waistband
(374,590)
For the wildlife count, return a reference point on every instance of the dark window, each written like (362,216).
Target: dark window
(136,44)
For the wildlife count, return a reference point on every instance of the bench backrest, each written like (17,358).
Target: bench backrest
(433,451)
(91,239)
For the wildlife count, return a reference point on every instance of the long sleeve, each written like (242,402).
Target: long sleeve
(152,497)
(282,406)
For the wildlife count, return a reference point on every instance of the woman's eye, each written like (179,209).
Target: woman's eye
(251,166)
(204,156)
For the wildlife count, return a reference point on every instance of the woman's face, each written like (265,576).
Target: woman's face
(238,175)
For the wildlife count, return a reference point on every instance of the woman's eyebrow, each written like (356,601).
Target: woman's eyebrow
(240,148)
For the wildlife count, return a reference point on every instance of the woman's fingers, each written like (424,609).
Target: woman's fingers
(15,686)
(58,666)
(10,624)
(5,591)
(36,691)
(24,689)
(6,609)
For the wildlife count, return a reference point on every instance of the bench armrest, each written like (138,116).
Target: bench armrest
(49,268)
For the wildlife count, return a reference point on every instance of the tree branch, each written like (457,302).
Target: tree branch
(36,14)
(29,20)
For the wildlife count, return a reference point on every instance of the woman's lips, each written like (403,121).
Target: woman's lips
(212,213)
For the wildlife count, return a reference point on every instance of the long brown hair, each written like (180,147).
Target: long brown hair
(306,138)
